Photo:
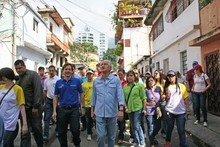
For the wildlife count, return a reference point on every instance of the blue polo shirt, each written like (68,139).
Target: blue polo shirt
(68,91)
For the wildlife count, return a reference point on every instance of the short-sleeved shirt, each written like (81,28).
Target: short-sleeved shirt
(49,86)
(10,106)
(137,95)
(68,91)
(153,97)
(106,96)
(87,89)
(176,104)
(199,82)
(189,78)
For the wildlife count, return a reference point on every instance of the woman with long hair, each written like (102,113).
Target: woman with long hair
(153,93)
(199,91)
(177,107)
(12,103)
(159,80)
(135,99)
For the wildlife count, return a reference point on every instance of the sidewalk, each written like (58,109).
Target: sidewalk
(207,136)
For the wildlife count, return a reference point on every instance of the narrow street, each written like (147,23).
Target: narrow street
(84,143)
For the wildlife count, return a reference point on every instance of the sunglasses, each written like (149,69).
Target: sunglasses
(170,76)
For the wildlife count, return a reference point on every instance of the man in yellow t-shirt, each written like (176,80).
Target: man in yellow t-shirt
(87,94)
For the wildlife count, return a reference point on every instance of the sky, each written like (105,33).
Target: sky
(96,14)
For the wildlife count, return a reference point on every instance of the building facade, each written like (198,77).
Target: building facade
(23,36)
(58,36)
(171,32)
(209,41)
(103,45)
(132,34)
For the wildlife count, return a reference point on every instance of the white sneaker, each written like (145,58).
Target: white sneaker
(205,124)
(134,145)
(89,137)
(142,145)
(131,140)
(196,122)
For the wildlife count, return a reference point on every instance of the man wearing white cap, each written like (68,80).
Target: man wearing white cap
(87,95)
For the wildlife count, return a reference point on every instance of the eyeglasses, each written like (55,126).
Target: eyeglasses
(156,73)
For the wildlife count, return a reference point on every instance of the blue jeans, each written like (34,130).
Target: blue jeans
(106,126)
(2,129)
(68,115)
(135,122)
(48,110)
(156,123)
(150,124)
(180,123)
(200,99)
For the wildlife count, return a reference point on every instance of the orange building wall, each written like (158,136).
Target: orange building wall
(208,49)
(210,17)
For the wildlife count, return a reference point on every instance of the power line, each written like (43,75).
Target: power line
(88,10)
(80,19)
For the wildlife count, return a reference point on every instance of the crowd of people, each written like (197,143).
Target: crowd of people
(100,98)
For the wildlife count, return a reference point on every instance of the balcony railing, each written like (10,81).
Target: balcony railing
(53,41)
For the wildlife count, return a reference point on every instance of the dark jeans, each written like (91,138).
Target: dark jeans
(35,124)
(48,110)
(180,123)
(121,128)
(200,99)
(89,120)
(9,137)
(68,115)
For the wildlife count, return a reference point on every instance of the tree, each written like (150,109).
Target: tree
(79,52)
(110,55)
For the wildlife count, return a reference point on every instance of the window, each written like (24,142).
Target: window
(183,60)
(166,65)
(176,8)
(35,25)
(51,27)
(158,65)
(158,27)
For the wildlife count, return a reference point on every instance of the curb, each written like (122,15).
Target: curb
(197,140)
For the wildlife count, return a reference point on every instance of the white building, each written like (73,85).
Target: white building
(85,36)
(133,34)
(22,35)
(103,45)
(174,24)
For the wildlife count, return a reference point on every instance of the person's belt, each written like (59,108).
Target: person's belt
(69,107)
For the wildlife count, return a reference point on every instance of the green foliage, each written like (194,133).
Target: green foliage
(110,55)
(119,49)
(203,3)
(79,52)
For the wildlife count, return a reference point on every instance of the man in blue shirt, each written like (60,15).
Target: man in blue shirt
(68,88)
(107,96)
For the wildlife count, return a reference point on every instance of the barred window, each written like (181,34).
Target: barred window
(176,8)
(183,60)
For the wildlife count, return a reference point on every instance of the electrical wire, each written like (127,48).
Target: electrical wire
(88,10)
(80,19)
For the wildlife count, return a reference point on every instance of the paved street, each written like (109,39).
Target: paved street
(55,143)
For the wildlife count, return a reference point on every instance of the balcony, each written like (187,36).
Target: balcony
(55,43)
